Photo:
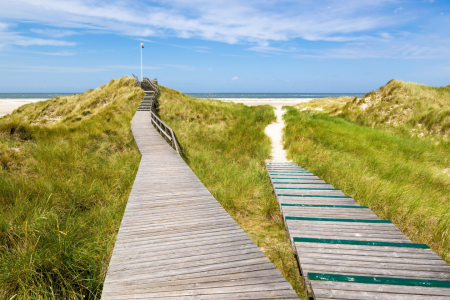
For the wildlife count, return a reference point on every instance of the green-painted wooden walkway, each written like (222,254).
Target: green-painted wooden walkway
(345,251)
(177,242)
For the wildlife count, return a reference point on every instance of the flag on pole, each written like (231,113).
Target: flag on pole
(142,45)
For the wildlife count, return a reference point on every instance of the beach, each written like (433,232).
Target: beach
(266,101)
(7,106)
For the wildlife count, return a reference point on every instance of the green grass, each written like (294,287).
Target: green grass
(401,178)
(66,168)
(226,147)
(68,165)
(405,108)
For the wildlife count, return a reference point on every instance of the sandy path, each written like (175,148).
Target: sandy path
(275,132)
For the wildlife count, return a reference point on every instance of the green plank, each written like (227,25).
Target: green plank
(379,280)
(313,205)
(288,171)
(314,189)
(362,243)
(336,220)
(298,178)
(286,168)
(311,196)
(300,183)
(291,174)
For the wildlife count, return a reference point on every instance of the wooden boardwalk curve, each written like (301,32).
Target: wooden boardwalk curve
(345,251)
(177,242)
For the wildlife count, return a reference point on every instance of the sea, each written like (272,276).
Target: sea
(14,96)
(17,96)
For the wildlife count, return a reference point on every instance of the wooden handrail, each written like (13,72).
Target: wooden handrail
(154,87)
(167,132)
(159,125)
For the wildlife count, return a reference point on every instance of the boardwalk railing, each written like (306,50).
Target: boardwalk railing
(166,132)
(150,103)
(153,86)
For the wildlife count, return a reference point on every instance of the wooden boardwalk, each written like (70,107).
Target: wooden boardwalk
(345,251)
(177,242)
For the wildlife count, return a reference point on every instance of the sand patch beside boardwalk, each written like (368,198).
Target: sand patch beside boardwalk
(7,106)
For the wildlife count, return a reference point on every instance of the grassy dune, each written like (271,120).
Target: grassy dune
(226,147)
(370,150)
(400,107)
(403,108)
(66,168)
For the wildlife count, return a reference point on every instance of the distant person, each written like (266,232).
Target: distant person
(155,81)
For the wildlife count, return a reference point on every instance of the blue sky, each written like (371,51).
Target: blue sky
(224,46)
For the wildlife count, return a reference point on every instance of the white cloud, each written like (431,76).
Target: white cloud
(60,53)
(53,33)
(229,21)
(235,78)
(353,27)
(13,38)
(62,69)
(200,49)
(386,35)
(52,69)
(268,49)
(3,26)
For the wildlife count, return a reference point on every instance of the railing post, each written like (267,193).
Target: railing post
(174,142)
(166,131)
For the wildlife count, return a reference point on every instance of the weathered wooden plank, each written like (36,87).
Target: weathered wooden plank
(331,233)
(382,288)
(177,241)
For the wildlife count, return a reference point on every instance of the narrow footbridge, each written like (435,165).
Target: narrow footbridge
(345,251)
(177,242)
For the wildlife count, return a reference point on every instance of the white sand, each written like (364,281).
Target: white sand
(275,132)
(264,101)
(7,106)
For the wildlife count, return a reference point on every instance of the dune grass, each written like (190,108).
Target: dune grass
(401,178)
(325,104)
(226,147)
(405,108)
(66,168)
(68,165)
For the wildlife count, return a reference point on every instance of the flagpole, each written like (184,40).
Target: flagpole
(142,73)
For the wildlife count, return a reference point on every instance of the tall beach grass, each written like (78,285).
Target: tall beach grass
(66,168)
(226,147)
(401,178)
